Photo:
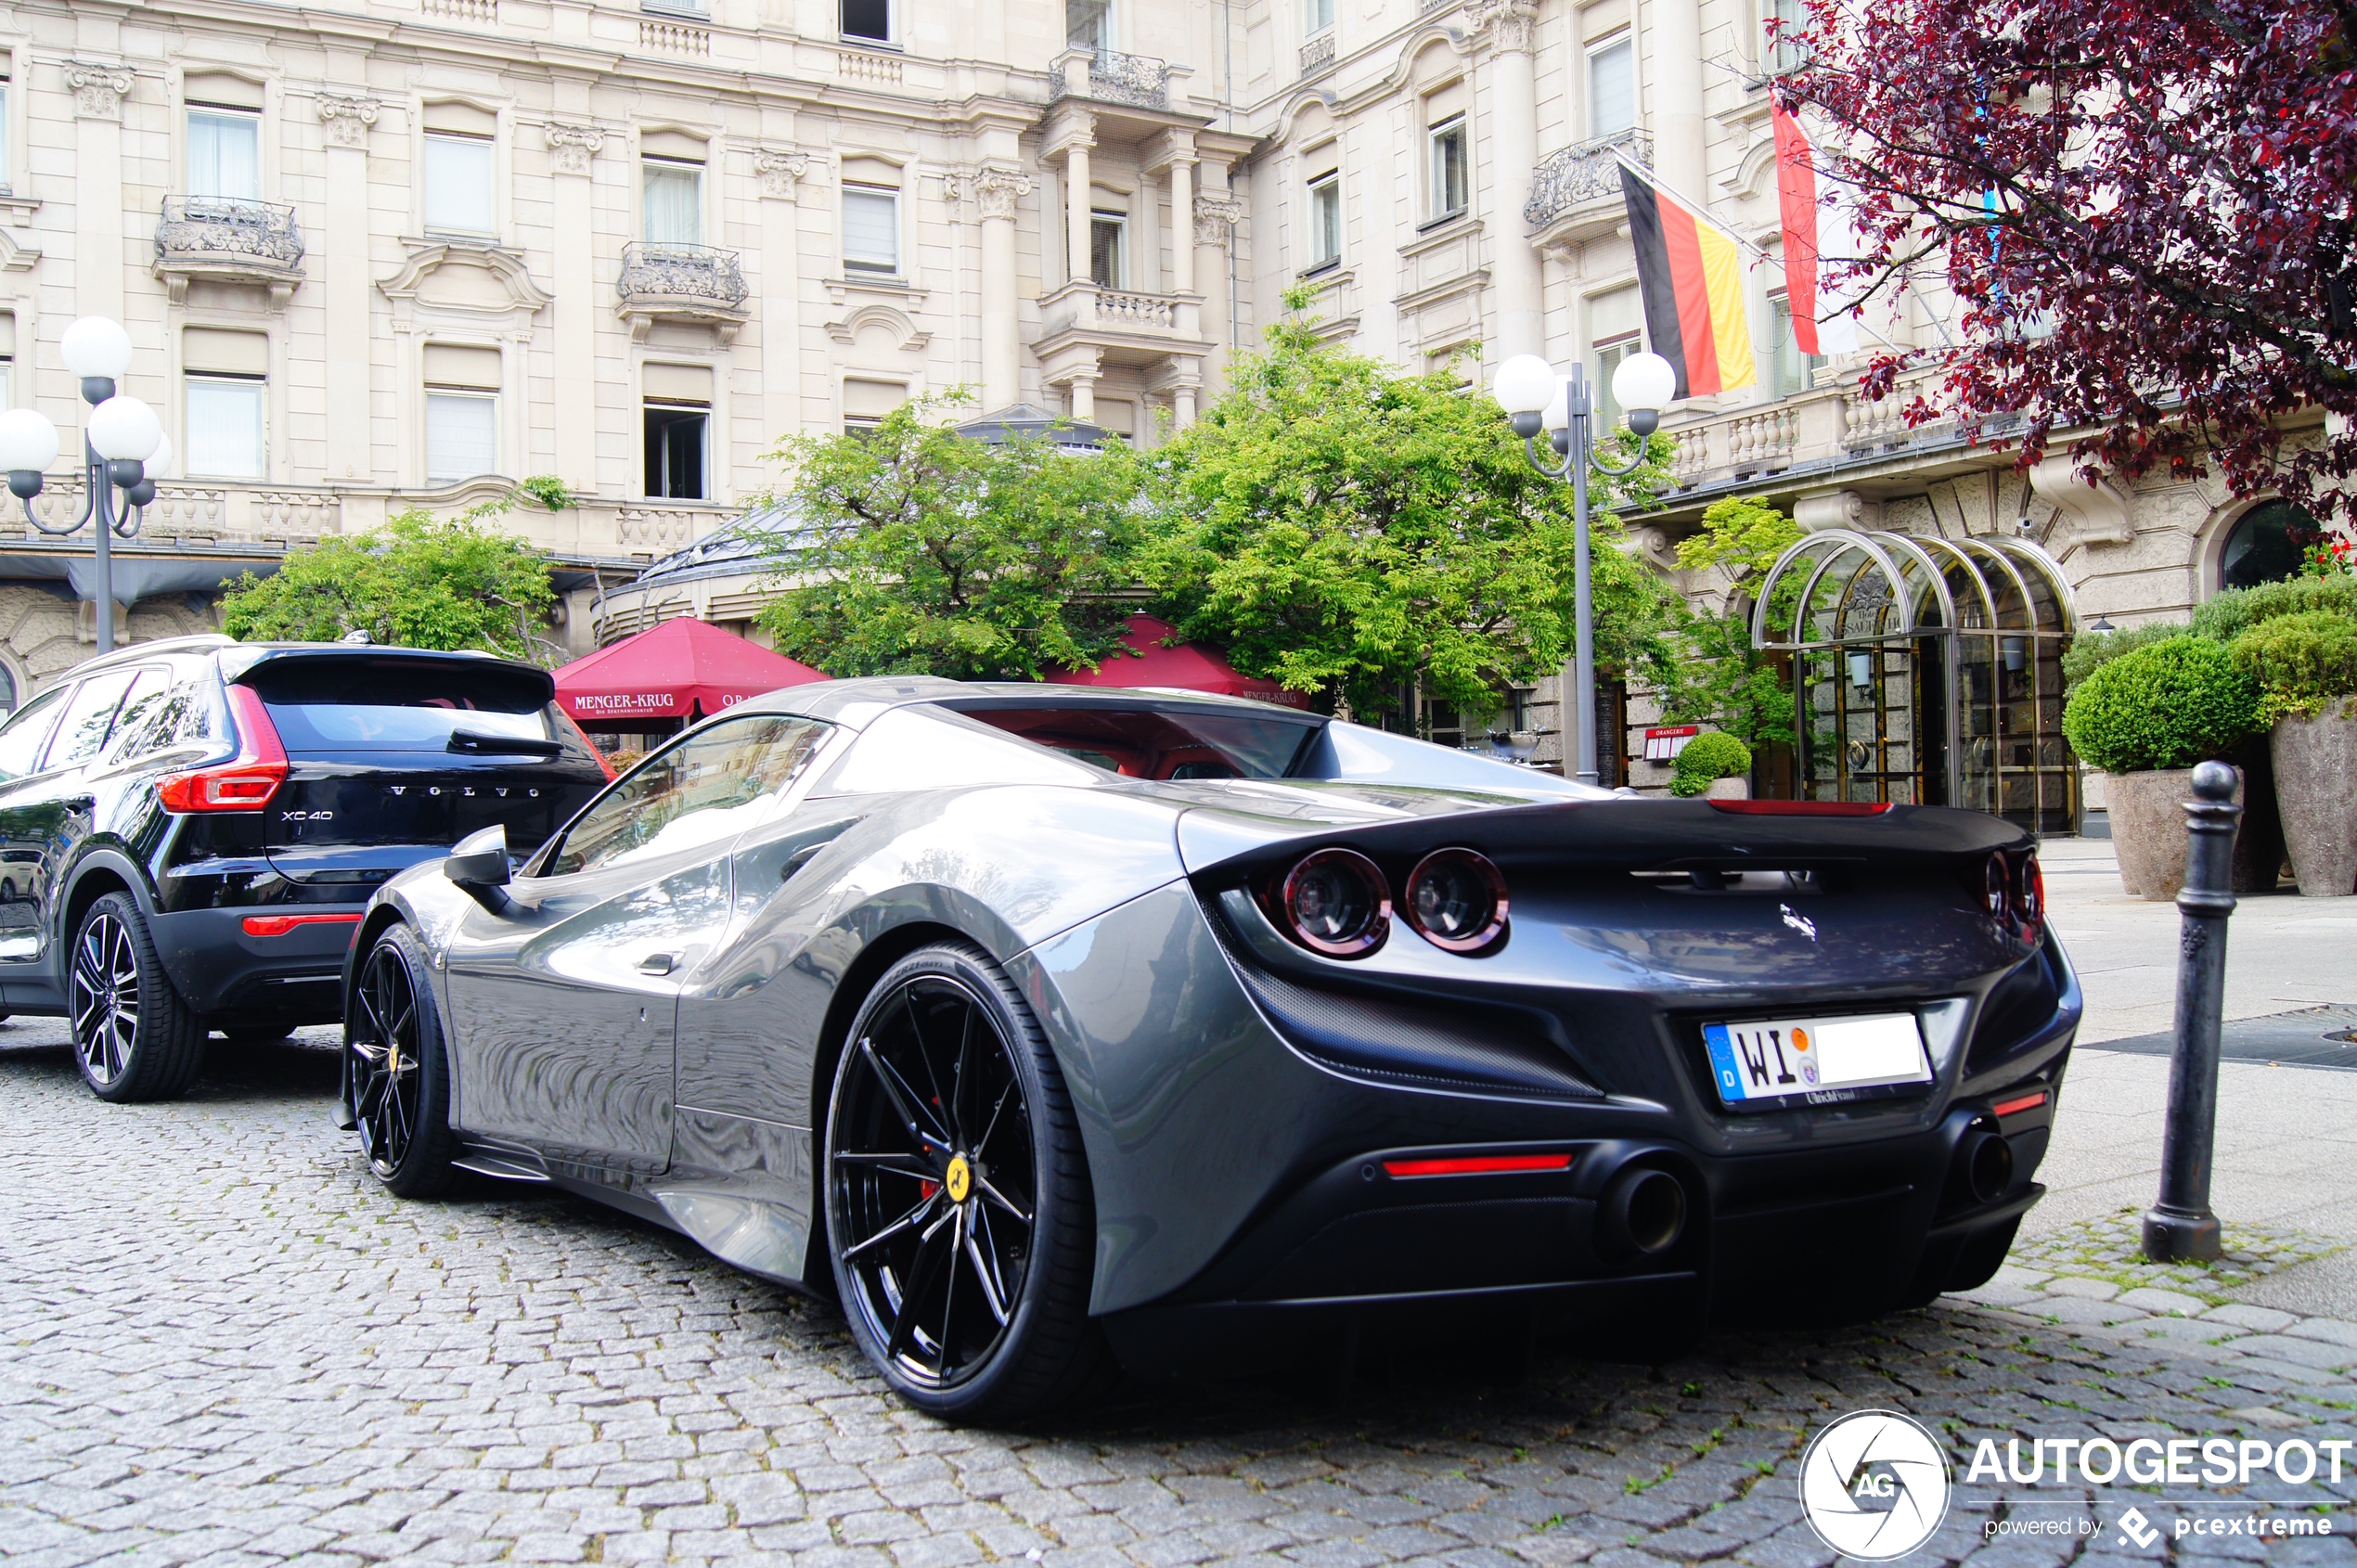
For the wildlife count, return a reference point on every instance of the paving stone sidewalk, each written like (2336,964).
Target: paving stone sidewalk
(220,1344)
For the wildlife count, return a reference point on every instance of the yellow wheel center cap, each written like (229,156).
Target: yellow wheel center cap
(959,1179)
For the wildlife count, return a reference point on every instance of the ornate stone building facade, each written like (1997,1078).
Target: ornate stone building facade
(385,252)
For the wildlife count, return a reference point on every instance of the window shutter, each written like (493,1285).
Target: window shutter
(871,228)
(224,353)
(458,364)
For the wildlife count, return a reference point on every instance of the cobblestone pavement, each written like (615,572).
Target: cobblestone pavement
(219,1343)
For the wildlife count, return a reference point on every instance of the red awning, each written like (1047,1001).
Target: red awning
(680,669)
(1190,667)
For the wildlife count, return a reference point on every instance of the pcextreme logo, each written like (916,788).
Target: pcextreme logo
(1873,1486)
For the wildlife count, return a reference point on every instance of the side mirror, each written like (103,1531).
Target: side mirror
(478,866)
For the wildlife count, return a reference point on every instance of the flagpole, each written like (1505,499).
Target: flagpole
(1759,253)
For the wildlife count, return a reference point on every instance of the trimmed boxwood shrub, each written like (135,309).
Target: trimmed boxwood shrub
(2171,704)
(2090,651)
(2239,609)
(1707,758)
(2301,663)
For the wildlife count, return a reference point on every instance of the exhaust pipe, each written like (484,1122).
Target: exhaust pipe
(1644,1212)
(1984,1168)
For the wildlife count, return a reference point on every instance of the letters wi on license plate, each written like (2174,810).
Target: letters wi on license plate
(1763,1064)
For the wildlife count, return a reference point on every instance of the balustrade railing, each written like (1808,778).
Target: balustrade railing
(1585,172)
(1115,308)
(1318,53)
(1140,79)
(218,227)
(653,273)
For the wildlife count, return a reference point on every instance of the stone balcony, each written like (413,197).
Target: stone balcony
(1575,192)
(222,240)
(1137,81)
(1127,325)
(691,285)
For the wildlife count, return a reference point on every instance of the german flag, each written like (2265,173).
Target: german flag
(1690,273)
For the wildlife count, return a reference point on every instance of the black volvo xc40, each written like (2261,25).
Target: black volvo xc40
(189,829)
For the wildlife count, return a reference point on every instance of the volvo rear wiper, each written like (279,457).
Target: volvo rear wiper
(475,742)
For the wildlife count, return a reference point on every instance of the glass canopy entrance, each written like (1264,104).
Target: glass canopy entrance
(1926,671)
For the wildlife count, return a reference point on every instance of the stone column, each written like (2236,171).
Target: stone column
(1215,217)
(1510,29)
(342,279)
(1182,241)
(98,91)
(1077,207)
(996,192)
(573,152)
(1677,97)
(1084,397)
(779,173)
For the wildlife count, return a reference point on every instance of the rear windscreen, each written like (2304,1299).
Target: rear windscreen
(1158,744)
(400,704)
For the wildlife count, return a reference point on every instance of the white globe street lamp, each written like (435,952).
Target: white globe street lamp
(1534,398)
(123,445)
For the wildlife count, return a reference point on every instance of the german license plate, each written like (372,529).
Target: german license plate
(1764,1063)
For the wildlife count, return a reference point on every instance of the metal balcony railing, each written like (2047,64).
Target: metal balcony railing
(1583,172)
(217,228)
(1138,79)
(653,273)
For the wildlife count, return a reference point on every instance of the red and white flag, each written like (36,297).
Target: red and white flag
(1823,320)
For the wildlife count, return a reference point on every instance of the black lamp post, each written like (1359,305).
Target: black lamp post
(1535,398)
(122,444)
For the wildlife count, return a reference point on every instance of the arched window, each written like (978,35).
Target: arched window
(7,691)
(2266,545)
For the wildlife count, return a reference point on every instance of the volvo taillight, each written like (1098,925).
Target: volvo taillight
(246,781)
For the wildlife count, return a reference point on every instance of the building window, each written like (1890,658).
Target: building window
(462,434)
(676,451)
(225,427)
(868,19)
(458,181)
(672,200)
(5,165)
(1108,242)
(2267,544)
(1325,221)
(1784,52)
(1602,363)
(1612,87)
(225,154)
(1792,370)
(1319,17)
(865,403)
(1088,25)
(871,229)
(1449,181)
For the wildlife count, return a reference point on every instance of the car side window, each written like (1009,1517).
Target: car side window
(704,789)
(21,737)
(89,714)
(135,728)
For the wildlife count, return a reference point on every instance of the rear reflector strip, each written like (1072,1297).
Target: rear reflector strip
(1802,808)
(279,925)
(2025,1102)
(1477,1164)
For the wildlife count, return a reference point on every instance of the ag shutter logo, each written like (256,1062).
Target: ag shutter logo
(1873,1486)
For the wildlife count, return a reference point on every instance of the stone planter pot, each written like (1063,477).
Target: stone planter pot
(2149,835)
(2316,793)
(1728,790)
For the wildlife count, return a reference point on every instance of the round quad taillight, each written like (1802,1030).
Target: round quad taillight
(2031,896)
(2000,887)
(1336,902)
(1457,900)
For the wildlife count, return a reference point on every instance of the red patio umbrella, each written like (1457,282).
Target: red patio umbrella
(1190,667)
(677,670)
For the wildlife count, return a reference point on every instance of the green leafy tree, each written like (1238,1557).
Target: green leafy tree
(414,582)
(1342,529)
(1717,678)
(916,550)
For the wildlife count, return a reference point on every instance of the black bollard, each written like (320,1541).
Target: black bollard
(2179,1228)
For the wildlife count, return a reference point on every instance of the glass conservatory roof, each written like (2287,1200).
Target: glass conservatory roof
(1871,587)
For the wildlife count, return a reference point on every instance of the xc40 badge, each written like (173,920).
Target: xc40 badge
(306,816)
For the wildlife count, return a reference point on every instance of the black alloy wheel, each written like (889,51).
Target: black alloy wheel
(134,1037)
(958,1210)
(394,1081)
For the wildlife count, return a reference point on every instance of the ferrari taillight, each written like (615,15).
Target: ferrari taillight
(246,781)
(1336,902)
(1457,901)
